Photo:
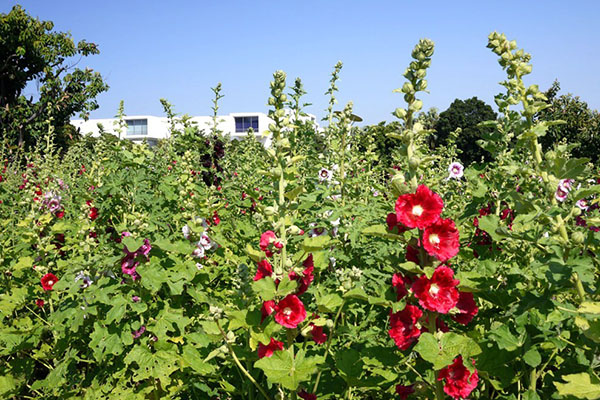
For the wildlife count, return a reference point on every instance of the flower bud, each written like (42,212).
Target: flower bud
(578,237)
(400,113)
(269,211)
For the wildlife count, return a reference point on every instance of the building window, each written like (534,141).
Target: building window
(242,124)
(137,127)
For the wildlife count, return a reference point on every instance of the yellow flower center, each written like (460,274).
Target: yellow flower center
(287,311)
(417,210)
(50,283)
(434,289)
(434,239)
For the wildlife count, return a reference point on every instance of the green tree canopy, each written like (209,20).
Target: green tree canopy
(30,51)
(465,114)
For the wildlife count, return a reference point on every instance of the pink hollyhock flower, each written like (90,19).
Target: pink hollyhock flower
(404,391)
(307,276)
(139,332)
(561,193)
(267,309)
(440,239)
(48,281)
(303,394)
(290,311)
(582,204)
(393,225)
(455,170)
(269,349)
(420,209)
(438,293)
(403,327)
(399,282)
(459,381)
(264,269)
(266,240)
(467,307)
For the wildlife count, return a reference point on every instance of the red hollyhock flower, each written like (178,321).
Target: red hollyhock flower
(441,239)
(264,269)
(48,281)
(267,309)
(303,394)
(39,303)
(290,311)
(420,209)
(60,214)
(438,293)
(317,334)
(404,391)
(307,276)
(402,326)
(399,282)
(393,225)
(269,349)
(93,213)
(266,239)
(215,219)
(412,254)
(467,307)
(459,381)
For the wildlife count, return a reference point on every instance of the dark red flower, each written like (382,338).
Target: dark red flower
(215,219)
(60,214)
(317,334)
(400,282)
(467,307)
(403,327)
(420,209)
(93,213)
(264,269)
(267,309)
(290,311)
(404,391)
(440,239)
(307,276)
(459,381)
(269,349)
(48,281)
(39,303)
(412,254)
(393,225)
(438,293)
(303,394)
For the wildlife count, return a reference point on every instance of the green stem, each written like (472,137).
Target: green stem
(432,326)
(329,340)
(532,379)
(579,287)
(239,364)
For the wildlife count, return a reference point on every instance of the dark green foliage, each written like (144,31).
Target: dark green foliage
(582,124)
(465,114)
(31,52)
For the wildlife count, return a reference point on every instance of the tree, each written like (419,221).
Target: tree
(31,52)
(582,125)
(465,114)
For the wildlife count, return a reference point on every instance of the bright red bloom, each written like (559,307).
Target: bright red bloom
(267,309)
(438,293)
(404,391)
(266,240)
(307,276)
(60,214)
(419,210)
(290,311)
(269,349)
(393,225)
(93,213)
(215,219)
(318,335)
(459,381)
(39,303)
(264,269)
(303,394)
(441,239)
(403,326)
(399,282)
(48,281)
(467,307)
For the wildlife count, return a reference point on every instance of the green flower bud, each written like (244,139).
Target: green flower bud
(413,162)
(400,113)
(578,237)
(270,211)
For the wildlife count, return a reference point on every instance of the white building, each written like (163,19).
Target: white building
(152,129)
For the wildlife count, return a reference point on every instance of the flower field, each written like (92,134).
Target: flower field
(204,268)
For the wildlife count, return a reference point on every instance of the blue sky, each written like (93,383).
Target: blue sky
(180,49)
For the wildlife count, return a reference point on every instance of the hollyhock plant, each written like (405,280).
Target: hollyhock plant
(582,204)
(266,240)
(403,327)
(561,194)
(303,394)
(267,309)
(440,239)
(438,293)
(399,282)
(455,170)
(459,381)
(393,225)
(467,307)
(290,311)
(419,209)
(317,334)
(48,281)
(39,303)
(404,391)
(269,349)
(93,213)
(307,276)
(325,175)
(264,269)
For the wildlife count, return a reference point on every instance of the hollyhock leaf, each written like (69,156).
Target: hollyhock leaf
(590,328)
(288,371)
(153,365)
(589,307)
(265,288)
(350,365)
(237,319)
(442,352)
(131,243)
(329,303)
(321,260)
(381,230)
(153,276)
(532,358)
(254,254)
(292,194)
(198,339)
(192,358)
(582,386)
(117,311)
(315,243)
(530,395)
(586,192)
(356,293)
(286,286)
(7,384)
(180,246)
(505,339)
(410,266)
(24,263)
(489,223)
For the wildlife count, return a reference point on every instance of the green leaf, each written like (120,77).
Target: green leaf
(532,358)
(329,303)
(589,307)
(118,309)
(281,368)
(181,247)
(265,288)
(356,293)
(131,243)
(590,328)
(441,349)
(254,254)
(489,223)
(582,386)
(159,365)
(381,230)
(192,358)
(25,263)
(315,243)
(286,286)
(505,339)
